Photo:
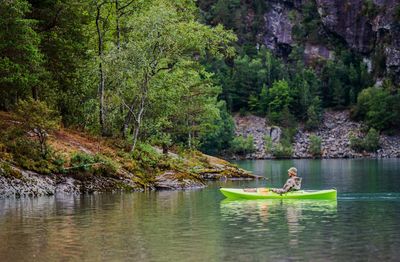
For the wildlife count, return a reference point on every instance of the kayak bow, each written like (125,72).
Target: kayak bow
(262,194)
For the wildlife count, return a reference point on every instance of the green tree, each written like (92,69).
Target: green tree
(21,71)
(65,30)
(315,146)
(219,137)
(243,145)
(314,114)
(378,108)
(279,100)
(162,41)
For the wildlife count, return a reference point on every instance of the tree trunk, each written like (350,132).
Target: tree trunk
(127,121)
(117,24)
(34,92)
(101,72)
(138,123)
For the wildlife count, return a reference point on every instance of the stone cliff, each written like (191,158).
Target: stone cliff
(370,28)
(334,132)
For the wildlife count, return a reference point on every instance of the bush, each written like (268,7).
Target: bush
(282,150)
(7,171)
(268,145)
(146,155)
(86,164)
(38,119)
(315,146)
(243,146)
(378,108)
(369,143)
(371,140)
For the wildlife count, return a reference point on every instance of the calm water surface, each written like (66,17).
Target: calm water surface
(363,225)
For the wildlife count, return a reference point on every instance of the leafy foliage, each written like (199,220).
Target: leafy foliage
(161,72)
(282,149)
(21,61)
(315,146)
(243,145)
(379,108)
(369,143)
(38,118)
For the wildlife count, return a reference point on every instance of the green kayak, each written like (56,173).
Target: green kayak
(262,193)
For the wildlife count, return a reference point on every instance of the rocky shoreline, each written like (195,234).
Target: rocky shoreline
(31,184)
(334,132)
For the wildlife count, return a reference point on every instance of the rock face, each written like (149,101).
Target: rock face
(256,126)
(365,27)
(33,184)
(345,18)
(334,133)
(370,28)
(314,52)
(278,28)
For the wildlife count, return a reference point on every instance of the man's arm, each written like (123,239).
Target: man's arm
(286,187)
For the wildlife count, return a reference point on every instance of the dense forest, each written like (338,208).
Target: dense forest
(172,73)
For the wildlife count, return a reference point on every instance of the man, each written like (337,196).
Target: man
(292,184)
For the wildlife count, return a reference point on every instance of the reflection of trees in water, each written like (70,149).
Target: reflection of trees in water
(143,227)
(58,228)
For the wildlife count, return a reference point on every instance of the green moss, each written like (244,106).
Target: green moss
(7,171)
(145,179)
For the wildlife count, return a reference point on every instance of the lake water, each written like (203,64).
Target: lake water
(200,225)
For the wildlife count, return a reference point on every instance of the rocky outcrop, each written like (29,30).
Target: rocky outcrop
(21,183)
(278,28)
(370,28)
(335,135)
(346,19)
(313,52)
(257,128)
(334,132)
(365,26)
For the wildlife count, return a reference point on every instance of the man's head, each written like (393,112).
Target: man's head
(292,171)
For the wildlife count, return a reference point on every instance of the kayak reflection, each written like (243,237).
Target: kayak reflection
(272,216)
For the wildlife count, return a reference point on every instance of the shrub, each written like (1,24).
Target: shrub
(268,145)
(282,150)
(371,140)
(378,108)
(242,146)
(146,155)
(82,163)
(369,9)
(7,171)
(369,143)
(315,146)
(105,166)
(39,119)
